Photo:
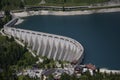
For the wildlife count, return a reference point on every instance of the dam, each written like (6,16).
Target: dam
(44,44)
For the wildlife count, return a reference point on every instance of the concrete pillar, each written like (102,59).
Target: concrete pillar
(53,50)
(79,54)
(68,54)
(72,54)
(45,45)
(30,44)
(62,46)
(56,44)
(13,32)
(51,47)
(29,39)
(39,43)
(25,38)
(36,44)
(47,48)
(66,51)
(34,41)
(63,52)
(20,36)
(75,52)
(59,50)
(42,47)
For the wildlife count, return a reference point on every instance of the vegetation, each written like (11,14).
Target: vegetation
(65,2)
(6,18)
(19,4)
(13,57)
(11,4)
(32,2)
(27,60)
(74,2)
(0,5)
(1,23)
(47,63)
(26,78)
(87,76)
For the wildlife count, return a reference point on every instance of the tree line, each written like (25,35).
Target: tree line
(11,4)
(13,58)
(76,1)
(19,4)
(7,17)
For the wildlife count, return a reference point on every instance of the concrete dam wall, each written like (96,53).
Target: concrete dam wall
(44,44)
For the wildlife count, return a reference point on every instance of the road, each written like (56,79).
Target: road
(48,72)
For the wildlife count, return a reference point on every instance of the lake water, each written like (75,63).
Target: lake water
(98,33)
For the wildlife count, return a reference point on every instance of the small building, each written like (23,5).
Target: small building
(81,69)
(90,66)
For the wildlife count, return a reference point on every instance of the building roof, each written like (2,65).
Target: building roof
(91,66)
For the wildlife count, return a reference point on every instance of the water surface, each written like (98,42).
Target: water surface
(98,33)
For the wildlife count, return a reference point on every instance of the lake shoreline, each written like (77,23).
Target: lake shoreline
(61,13)
(64,13)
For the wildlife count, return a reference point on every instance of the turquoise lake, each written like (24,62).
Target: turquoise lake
(98,33)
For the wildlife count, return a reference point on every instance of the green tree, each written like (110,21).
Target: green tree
(65,76)
(50,77)
(7,17)
(0,5)
(21,5)
(1,23)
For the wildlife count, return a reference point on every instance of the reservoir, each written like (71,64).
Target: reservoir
(98,33)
